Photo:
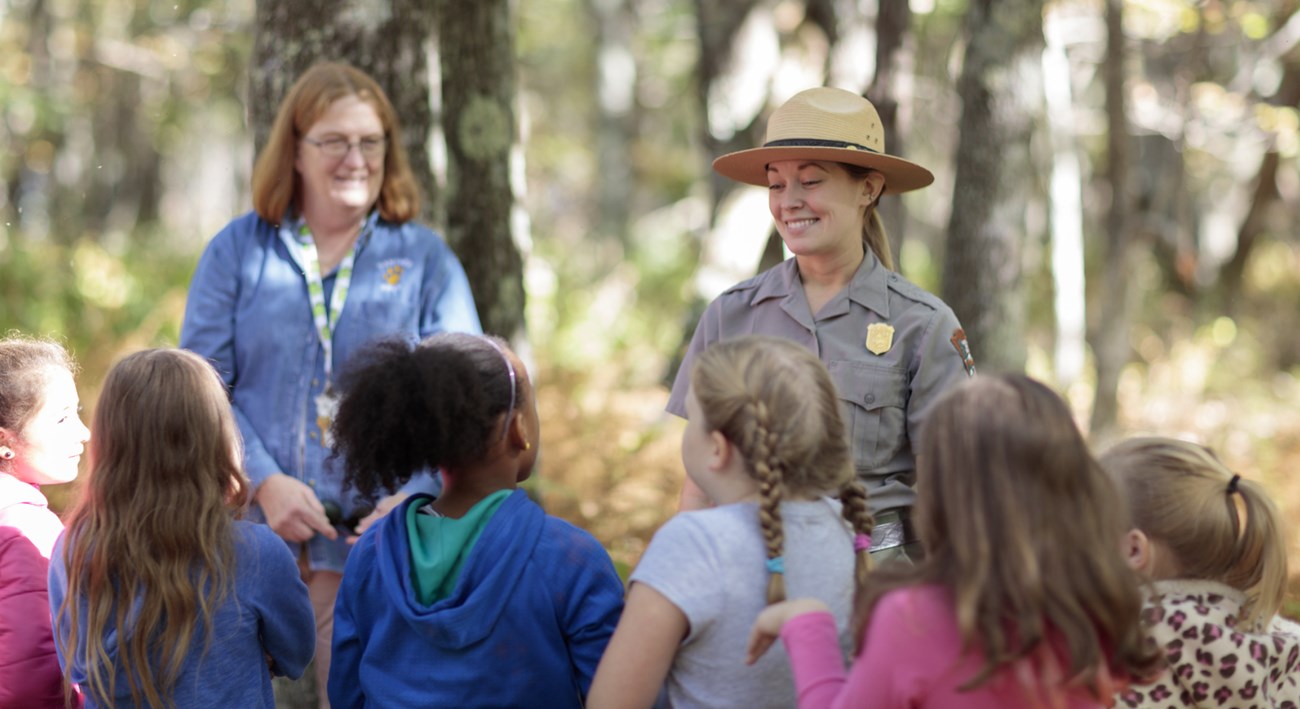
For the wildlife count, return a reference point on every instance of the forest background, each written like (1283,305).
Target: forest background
(1114,209)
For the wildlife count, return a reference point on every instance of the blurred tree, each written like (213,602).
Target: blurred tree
(893,61)
(995,171)
(478,91)
(1267,212)
(616,80)
(1110,335)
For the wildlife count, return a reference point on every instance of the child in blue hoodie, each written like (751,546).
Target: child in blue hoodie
(477,597)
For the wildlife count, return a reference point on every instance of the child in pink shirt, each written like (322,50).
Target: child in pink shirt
(1020,600)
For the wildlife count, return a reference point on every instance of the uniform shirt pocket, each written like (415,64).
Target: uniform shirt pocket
(874,402)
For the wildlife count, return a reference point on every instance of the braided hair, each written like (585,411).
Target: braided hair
(774,400)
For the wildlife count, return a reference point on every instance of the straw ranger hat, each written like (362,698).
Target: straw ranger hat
(825,124)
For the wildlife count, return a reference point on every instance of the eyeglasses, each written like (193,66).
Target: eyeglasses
(337,148)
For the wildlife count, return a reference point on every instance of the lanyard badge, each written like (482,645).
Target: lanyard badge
(298,240)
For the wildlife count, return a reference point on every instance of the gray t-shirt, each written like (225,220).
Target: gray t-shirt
(712,565)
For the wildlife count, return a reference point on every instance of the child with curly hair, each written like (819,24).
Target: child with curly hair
(477,597)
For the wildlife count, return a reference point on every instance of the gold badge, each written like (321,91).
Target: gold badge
(880,337)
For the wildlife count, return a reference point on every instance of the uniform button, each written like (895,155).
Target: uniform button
(312,435)
(869,398)
(315,382)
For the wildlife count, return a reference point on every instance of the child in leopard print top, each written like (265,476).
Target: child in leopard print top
(1212,544)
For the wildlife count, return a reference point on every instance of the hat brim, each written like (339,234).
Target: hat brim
(750,166)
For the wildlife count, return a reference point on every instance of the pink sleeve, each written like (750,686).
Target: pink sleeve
(29,669)
(884,674)
(814,650)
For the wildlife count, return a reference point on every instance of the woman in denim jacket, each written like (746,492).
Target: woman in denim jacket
(284,295)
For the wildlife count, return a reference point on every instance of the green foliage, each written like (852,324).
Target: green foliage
(97,302)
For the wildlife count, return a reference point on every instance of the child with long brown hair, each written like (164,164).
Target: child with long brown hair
(1020,600)
(41,441)
(161,598)
(1212,544)
(766,442)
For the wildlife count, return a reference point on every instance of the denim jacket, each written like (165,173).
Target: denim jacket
(249,314)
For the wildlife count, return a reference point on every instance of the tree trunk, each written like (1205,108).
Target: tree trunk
(615,90)
(982,260)
(893,57)
(1067,208)
(478,91)
(1263,216)
(1110,341)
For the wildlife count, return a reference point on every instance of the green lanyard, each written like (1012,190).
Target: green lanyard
(297,238)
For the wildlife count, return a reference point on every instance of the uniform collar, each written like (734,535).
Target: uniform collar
(869,287)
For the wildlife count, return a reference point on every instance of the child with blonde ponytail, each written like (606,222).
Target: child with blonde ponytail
(766,442)
(1212,544)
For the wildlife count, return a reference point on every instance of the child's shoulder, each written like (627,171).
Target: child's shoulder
(738,518)
(725,530)
(258,539)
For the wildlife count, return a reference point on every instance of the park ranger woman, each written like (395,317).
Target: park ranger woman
(892,348)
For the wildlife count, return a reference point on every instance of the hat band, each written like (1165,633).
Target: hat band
(817,143)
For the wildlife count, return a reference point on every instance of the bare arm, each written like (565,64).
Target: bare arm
(638,658)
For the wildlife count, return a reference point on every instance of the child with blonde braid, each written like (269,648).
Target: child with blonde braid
(766,442)
(1212,544)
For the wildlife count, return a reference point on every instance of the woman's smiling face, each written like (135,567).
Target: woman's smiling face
(817,206)
(348,185)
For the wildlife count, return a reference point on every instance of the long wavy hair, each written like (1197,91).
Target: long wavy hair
(149,547)
(1178,493)
(1021,525)
(774,401)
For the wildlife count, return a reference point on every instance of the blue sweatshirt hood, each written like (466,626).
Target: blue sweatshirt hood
(468,615)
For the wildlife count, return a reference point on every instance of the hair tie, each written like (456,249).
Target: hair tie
(776,565)
(1232,484)
(861,542)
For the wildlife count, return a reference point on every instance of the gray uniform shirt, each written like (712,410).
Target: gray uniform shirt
(885,397)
